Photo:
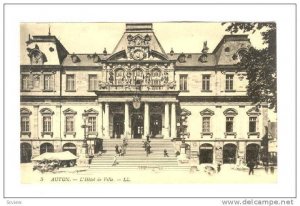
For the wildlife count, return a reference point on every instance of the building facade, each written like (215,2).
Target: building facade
(139,90)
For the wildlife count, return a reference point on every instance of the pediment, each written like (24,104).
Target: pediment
(69,111)
(25,111)
(230,112)
(254,111)
(207,112)
(91,111)
(46,111)
(185,112)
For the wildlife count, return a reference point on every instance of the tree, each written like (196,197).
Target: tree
(260,64)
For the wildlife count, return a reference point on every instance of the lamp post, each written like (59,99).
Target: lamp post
(84,156)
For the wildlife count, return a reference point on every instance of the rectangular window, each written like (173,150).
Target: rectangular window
(229,82)
(183,82)
(229,124)
(92,124)
(69,124)
(92,82)
(48,82)
(252,124)
(25,82)
(25,124)
(206,82)
(46,124)
(70,82)
(206,124)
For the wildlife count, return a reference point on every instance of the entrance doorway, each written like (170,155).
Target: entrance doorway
(98,145)
(155,125)
(229,154)
(70,147)
(46,147)
(206,153)
(137,125)
(26,152)
(118,128)
(252,151)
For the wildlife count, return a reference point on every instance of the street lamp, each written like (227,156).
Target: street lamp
(85,126)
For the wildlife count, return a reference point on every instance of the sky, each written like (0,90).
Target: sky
(187,37)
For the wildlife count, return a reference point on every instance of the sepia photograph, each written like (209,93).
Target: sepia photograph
(148,102)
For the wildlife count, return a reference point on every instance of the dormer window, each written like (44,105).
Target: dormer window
(75,58)
(241,53)
(227,49)
(36,56)
(203,58)
(181,58)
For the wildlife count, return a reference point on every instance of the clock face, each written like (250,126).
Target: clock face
(138,55)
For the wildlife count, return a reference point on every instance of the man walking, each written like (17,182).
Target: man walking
(251,165)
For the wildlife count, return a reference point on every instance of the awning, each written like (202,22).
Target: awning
(55,156)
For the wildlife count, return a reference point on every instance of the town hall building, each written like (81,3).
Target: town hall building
(136,91)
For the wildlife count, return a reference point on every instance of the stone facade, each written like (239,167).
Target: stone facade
(139,90)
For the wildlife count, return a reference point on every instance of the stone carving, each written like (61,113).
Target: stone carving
(102,85)
(171,85)
(138,46)
(111,77)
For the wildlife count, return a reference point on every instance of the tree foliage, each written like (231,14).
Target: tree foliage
(260,64)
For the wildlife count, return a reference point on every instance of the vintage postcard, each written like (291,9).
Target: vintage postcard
(132,102)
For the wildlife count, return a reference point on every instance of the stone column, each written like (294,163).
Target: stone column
(173,120)
(106,121)
(100,127)
(146,120)
(167,121)
(126,120)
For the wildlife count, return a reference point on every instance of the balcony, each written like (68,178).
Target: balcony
(103,86)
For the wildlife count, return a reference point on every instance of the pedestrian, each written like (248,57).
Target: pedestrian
(115,162)
(117,149)
(166,153)
(148,138)
(251,165)
(148,149)
(219,167)
(125,143)
(120,151)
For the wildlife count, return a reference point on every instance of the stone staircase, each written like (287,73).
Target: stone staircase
(136,158)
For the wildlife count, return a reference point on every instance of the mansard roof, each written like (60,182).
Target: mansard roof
(51,48)
(92,60)
(193,60)
(139,43)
